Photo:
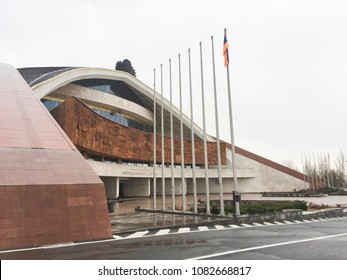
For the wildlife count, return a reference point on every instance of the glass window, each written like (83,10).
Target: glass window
(117,88)
(50,104)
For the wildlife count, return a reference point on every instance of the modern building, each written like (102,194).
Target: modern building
(95,142)
(108,115)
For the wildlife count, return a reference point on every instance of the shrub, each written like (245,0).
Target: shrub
(317,206)
(258,207)
(215,209)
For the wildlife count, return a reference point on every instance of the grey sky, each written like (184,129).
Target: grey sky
(288,59)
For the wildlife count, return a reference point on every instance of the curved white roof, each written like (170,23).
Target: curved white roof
(48,86)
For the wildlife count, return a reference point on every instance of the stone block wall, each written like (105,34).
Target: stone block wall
(36,215)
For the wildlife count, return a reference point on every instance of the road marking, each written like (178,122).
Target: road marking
(246,225)
(184,229)
(138,234)
(234,226)
(162,232)
(268,246)
(58,245)
(117,237)
(219,227)
(215,227)
(203,228)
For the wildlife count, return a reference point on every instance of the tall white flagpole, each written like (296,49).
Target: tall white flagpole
(154,147)
(182,143)
(192,136)
(162,139)
(233,154)
(172,146)
(220,181)
(207,183)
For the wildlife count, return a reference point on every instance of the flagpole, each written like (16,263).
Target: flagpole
(182,143)
(154,148)
(162,139)
(220,181)
(207,183)
(172,145)
(192,136)
(233,154)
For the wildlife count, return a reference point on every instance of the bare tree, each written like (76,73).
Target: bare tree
(340,170)
(290,164)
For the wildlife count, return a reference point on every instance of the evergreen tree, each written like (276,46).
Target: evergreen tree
(125,66)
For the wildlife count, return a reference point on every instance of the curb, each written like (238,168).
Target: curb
(271,217)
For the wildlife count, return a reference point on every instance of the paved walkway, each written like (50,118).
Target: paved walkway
(125,219)
(123,223)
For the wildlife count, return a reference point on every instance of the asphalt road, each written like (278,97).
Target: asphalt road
(319,240)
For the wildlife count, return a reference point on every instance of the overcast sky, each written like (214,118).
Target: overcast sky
(288,59)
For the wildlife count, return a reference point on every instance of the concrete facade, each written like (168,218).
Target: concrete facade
(131,172)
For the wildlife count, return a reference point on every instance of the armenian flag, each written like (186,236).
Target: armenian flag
(225,50)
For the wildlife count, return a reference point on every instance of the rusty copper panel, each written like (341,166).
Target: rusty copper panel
(92,132)
(48,192)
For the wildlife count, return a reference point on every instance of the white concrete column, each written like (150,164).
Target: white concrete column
(111,186)
(117,187)
(148,187)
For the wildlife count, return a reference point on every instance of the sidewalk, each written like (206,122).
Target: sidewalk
(124,223)
(125,219)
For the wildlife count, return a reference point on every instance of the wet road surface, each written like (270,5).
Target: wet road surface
(313,240)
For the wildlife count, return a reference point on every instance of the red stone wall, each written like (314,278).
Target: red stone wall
(48,192)
(92,132)
(38,215)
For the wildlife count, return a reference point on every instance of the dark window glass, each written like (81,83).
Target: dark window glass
(50,104)
(117,88)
